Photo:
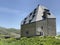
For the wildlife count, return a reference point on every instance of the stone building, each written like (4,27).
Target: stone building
(40,22)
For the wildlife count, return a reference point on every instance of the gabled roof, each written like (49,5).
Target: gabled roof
(39,13)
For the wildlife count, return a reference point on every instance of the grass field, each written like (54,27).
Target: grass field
(31,41)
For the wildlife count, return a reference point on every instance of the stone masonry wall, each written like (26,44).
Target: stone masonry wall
(48,27)
(39,25)
(30,28)
(51,26)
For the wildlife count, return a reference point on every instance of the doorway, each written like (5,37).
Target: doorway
(41,33)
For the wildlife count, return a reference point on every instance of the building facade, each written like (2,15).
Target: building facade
(40,22)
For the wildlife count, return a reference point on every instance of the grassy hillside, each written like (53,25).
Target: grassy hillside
(31,41)
(58,33)
(6,31)
(9,31)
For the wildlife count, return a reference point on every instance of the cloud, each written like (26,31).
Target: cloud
(8,10)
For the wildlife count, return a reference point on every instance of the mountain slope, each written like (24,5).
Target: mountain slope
(58,33)
(9,31)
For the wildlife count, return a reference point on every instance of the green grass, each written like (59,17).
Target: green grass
(31,41)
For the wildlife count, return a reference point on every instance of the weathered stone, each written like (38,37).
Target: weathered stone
(42,24)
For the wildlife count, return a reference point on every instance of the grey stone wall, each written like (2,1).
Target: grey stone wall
(51,23)
(48,27)
(31,28)
(39,26)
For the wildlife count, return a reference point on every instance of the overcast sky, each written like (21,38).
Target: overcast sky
(13,11)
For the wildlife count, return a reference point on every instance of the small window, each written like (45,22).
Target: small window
(49,13)
(30,14)
(24,22)
(34,11)
(41,27)
(44,17)
(25,18)
(33,16)
(46,10)
(27,32)
(44,13)
(30,21)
